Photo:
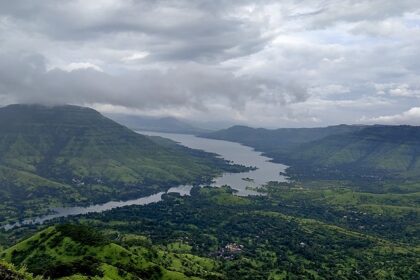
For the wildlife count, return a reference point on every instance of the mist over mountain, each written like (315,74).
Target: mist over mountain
(50,155)
(158,124)
(209,140)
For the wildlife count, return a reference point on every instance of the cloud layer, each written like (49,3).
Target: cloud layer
(264,63)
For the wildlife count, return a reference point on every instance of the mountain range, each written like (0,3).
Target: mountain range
(165,124)
(305,228)
(340,151)
(50,156)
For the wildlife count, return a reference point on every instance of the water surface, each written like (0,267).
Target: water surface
(242,182)
(266,170)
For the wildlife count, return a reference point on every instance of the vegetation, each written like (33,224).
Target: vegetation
(273,141)
(77,251)
(9,272)
(291,232)
(338,152)
(53,156)
(351,210)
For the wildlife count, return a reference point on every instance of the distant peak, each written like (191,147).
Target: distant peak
(64,107)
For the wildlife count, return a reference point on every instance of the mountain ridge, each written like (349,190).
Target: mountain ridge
(336,151)
(157,124)
(71,154)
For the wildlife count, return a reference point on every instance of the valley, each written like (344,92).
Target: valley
(244,219)
(69,155)
(210,140)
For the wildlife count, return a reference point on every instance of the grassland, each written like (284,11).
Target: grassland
(79,252)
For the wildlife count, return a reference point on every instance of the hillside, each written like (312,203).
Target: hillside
(391,151)
(51,156)
(289,233)
(79,252)
(9,272)
(166,124)
(272,141)
(337,151)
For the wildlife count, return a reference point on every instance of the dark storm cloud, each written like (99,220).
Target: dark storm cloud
(262,62)
(25,78)
(174,30)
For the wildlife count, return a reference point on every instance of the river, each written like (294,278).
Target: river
(242,182)
(266,170)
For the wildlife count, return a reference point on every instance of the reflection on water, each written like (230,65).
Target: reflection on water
(266,171)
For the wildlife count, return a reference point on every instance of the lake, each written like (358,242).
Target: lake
(266,170)
(242,182)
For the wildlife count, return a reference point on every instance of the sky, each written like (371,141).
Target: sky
(289,63)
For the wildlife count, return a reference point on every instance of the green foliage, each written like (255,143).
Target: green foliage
(391,215)
(60,251)
(289,233)
(54,156)
(82,234)
(363,228)
(351,152)
(375,152)
(10,272)
(277,140)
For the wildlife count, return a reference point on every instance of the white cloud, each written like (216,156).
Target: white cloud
(411,116)
(267,62)
(81,65)
(135,56)
(397,90)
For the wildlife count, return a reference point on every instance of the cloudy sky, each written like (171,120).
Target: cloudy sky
(266,63)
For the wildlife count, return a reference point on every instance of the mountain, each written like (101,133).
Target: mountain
(50,156)
(273,141)
(375,150)
(343,151)
(166,124)
(80,252)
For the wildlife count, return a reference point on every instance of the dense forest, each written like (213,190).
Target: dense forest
(290,232)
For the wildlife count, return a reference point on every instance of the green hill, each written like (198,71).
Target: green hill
(379,151)
(80,252)
(289,233)
(337,151)
(74,155)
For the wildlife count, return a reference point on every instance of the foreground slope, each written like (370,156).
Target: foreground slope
(70,154)
(289,233)
(80,252)
(9,272)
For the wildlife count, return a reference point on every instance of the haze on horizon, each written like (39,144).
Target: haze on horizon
(289,63)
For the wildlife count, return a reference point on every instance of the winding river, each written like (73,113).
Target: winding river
(242,182)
